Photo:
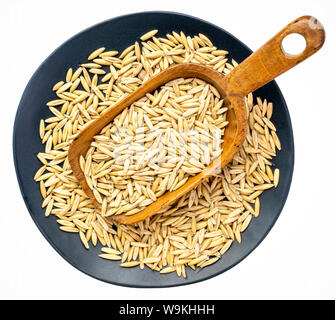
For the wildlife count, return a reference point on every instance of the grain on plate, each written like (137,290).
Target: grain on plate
(202,225)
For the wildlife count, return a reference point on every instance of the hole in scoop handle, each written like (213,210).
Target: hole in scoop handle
(271,60)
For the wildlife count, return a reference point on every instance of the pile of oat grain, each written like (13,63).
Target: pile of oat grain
(201,226)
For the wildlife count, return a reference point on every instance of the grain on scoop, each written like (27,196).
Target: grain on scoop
(144,164)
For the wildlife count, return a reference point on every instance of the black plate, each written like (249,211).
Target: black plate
(119,33)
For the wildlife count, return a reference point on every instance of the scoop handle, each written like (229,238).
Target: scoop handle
(271,60)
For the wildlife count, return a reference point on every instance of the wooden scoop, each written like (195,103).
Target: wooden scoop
(258,69)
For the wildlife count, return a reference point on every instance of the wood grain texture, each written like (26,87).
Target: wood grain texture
(258,69)
(270,61)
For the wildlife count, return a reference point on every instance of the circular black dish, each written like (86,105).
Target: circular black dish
(119,33)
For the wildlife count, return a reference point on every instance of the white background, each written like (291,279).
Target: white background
(297,258)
